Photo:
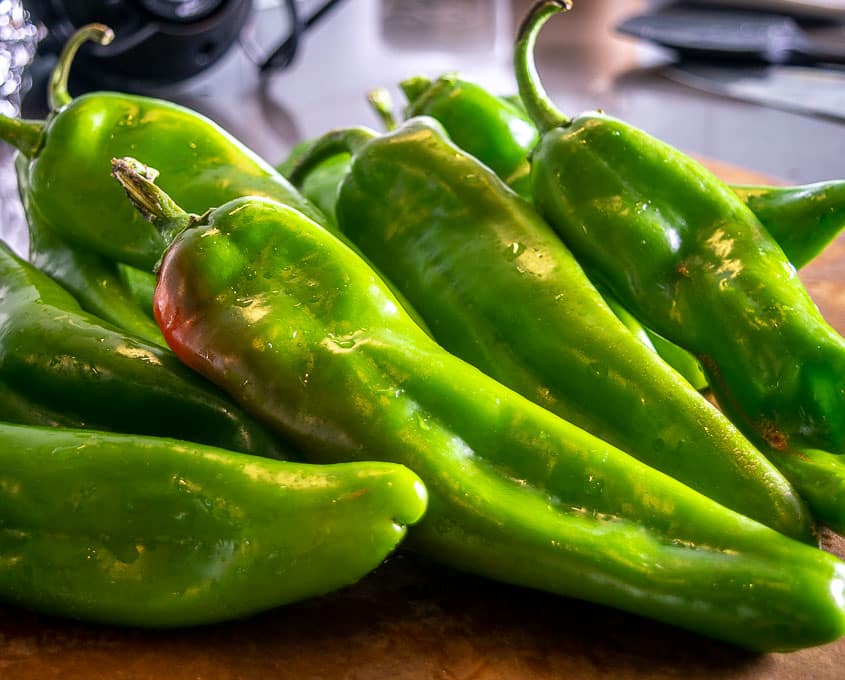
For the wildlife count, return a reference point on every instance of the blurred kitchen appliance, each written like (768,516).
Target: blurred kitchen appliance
(701,33)
(162,42)
(792,62)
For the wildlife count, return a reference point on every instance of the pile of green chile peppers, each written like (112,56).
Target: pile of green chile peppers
(802,219)
(300,330)
(499,289)
(687,256)
(459,280)
(60,366)
(145,531)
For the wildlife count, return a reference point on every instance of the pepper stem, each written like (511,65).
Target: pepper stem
(382,103)
(150,200)
(541,110)
(57,93)
(414,88)
(348,140)
(24,135)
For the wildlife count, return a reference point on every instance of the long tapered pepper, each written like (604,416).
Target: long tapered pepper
(62,366)
(689,258)
(499,290)
(145,531)
(67,173)
(300,330)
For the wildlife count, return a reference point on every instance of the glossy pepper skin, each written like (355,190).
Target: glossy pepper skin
(62,366)
(70,154)
(95,281)
(686,256)
(302,332)
(818,477)
(143,531)
(499,290)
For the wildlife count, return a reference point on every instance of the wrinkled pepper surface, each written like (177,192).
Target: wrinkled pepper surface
(145,531)
(62,366)
(301,331)
(499,289)
(689,258)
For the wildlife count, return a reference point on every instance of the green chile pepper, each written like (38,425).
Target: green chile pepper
(819,477)
(689,258)
(144,531)
(62,366)
(95,281)
(301,331)
(499,290)
(70,154)
(802,219)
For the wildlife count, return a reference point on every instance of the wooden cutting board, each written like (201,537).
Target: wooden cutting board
(415,620)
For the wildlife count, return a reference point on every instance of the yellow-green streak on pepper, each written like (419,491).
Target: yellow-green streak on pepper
(499,289)
(301,331)
(156,532)
(686,256)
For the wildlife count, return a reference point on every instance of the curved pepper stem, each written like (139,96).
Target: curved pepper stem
(348,140)
(154,204)
(57,93)
(541,110)
(382,104)
(25,135)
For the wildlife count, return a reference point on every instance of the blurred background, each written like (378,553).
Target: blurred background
(754,83)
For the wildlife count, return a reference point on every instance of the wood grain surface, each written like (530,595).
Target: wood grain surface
(417,621)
